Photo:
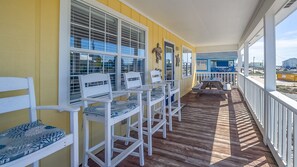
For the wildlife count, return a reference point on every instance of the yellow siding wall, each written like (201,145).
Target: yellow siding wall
(29,43)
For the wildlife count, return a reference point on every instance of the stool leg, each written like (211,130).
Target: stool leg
(178,101)
(164,118)
(140,137)
(149,129)
(169,112)
(86,141)
(112,139)
(128,130)
(108,127)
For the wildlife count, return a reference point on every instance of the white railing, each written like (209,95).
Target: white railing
(281,123)
(226,77)
(240,82)
(282,126)
(254,94)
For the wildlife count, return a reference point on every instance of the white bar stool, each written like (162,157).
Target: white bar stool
(172,88)
(151,97)
(96,88)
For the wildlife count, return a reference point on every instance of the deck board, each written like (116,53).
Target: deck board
(214,131)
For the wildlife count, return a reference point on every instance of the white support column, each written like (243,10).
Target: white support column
(269,64)
(246,59)
(246,65)
(239,65)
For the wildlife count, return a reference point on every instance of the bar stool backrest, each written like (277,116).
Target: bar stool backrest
(132,80)
(156,76)
(95,85)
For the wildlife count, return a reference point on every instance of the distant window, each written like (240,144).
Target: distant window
(186,62)
(201,65)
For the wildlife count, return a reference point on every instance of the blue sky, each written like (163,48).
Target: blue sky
(286,41)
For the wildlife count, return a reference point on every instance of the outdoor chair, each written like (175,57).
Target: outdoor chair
(150,98)
(27,143)
(96,88)
(172,88)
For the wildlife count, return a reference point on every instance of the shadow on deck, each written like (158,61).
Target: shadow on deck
(213,132)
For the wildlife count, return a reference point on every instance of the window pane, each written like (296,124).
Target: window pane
(125,30)
(97,20)
(98,42)
(189,69)
(111,25)
(134,48)
(96,64)
(189,57)
(132,64)
(141,50)
(79,14)
(111,43)
(78,63)
(141,36)
(74,89)
(187,62)
(184,69)
(79,37)
(126,46)
(134,34)
(201,65)
(109,64)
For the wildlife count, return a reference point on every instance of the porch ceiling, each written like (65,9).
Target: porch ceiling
(200,22)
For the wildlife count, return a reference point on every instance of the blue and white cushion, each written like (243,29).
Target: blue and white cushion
(25,139)
(117,108)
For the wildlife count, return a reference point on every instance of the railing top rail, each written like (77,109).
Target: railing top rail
(284,100)
(261,85)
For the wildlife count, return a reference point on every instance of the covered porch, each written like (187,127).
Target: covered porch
(222,133)
(56,42)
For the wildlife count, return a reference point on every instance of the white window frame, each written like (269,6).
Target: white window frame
(187,76)
(64,45)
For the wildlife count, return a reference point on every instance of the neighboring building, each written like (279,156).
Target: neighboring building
(256,64)
(216,62)
(290,63)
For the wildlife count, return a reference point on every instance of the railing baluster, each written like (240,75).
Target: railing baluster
(289,133)
(275,124)
(295,141)
(284,135)
(280,128)
(269,117)
(272,121)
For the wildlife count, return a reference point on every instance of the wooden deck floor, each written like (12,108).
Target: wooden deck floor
(213,132)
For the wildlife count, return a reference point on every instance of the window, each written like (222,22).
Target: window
(97,47)
(187,62)
(201,65)
(133,50)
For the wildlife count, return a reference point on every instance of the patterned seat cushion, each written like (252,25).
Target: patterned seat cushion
(117,108)
(155,94)
(26,139)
